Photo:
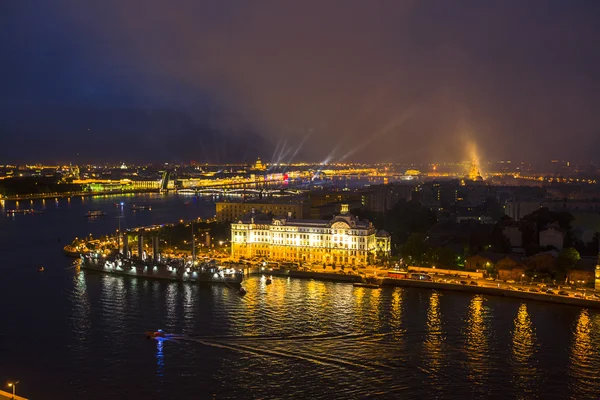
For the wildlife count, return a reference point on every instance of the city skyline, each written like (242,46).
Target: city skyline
(396,82)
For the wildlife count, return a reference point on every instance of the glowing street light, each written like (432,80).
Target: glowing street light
(13,385)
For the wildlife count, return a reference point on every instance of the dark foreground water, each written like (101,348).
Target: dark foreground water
(77,335)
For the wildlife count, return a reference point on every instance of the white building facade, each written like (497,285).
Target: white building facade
(344,240)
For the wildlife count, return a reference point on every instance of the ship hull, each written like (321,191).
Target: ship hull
(71,253)
(149,271)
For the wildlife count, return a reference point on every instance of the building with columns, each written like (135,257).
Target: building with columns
(343,240)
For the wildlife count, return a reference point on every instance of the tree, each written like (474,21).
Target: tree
(415,247)
(544,216)
(500,243)
(567,260)
(446,257)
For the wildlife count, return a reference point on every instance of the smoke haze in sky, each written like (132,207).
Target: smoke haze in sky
(401,81)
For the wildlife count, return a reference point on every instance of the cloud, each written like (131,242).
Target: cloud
(376,80)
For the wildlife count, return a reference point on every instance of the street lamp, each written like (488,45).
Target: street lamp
(13,385)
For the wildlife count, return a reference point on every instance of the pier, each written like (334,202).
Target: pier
(9,396)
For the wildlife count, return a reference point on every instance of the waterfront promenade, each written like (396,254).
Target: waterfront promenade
(61,195)
(492,288)
(9,396)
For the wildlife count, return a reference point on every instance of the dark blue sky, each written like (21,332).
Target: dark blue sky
(368,81)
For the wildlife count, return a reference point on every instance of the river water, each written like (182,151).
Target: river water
(69,334)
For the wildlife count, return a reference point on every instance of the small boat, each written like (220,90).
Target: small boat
(136,207)
(21,211)
(366,285)
(155,335)
(41,269)
(242,291)
(95,213)
(268,281)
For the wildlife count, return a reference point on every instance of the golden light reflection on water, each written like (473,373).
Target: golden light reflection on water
(523,336)
(171,306)
(584,357)
(523,348)
(434,340)
(81,306)
(477,339)
(188,306)
(396,312)
(374,309)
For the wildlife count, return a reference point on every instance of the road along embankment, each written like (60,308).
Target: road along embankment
(551,298)
(321,276)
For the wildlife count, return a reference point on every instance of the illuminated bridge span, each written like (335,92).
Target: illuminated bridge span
(224,191)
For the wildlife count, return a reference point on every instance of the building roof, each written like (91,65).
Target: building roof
(382,233)
(492,256)
(517,258)
(553,253)
(587,264)
(258,216)
(346,221)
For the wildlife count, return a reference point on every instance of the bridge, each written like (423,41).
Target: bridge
(240,192)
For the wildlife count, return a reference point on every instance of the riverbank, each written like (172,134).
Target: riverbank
(491,291)
(552,298)
(321,276)
(57,195)
(9,396)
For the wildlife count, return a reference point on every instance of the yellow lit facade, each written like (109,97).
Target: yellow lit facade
(344,240)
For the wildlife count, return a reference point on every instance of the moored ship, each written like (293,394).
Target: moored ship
(71,251)
(175,270)
(140,207)
(95,213)
(22,211)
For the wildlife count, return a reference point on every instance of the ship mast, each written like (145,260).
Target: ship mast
(193,245)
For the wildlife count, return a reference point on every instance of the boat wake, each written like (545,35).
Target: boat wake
(249,345)
(314,359)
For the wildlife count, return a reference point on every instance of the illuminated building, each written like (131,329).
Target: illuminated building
(105,185)
(343,240)
(259,166)
(231,211)
(597,275)
(474,171)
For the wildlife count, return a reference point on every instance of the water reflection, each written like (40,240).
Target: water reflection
(396,313)
(171,305)
(476,343)
(81,308)
(374,309)
(188,307)
(522,351)
(160,357)
(584,358)
(434,340)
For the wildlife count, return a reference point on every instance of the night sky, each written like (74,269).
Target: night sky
(401,81)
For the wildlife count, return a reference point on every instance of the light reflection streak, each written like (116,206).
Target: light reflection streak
(584,357)
(375,312)
(434,340)
(160,357)
(523,350)
(188,308)
(171,304)
(477,341)
(396,313)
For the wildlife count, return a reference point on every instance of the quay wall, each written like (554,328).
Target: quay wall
(9,395)
(324,276)
(492,291)
(40,196)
